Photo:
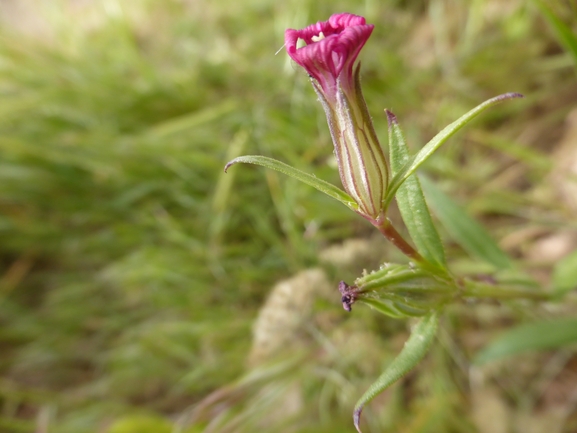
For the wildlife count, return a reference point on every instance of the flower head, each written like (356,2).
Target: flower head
(331,49)
(329,55)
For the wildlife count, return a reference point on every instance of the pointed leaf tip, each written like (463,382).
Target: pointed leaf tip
(509,95)
(229,163)
(357,418)
(391,117)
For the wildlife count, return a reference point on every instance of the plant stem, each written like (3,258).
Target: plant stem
(386,228)
(478,289)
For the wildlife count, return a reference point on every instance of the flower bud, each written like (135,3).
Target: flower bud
(329,56)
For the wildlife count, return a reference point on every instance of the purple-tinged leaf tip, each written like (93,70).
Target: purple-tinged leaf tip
(229,163)
(509,95)
(357,418)
(391,117)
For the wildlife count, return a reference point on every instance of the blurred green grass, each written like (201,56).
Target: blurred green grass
(132,268)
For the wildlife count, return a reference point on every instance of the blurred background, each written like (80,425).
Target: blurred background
(142,290)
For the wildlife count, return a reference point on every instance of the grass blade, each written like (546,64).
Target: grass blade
(532,336)
(563,32)
(464,230)
(565,274)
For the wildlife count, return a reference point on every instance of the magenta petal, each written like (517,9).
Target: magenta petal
(346,20)
(331,49)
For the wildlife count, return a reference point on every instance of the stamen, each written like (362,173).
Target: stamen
(320,37)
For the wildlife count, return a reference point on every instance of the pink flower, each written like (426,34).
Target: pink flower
(331,49)
(329,56)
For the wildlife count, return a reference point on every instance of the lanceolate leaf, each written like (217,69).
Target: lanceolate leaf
(464,230)
(533,336)
(411,166)
(415,349)
(309,179)
(411,201)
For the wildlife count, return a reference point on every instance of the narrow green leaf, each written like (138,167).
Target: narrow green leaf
(395,309)
(411,201)
(309,179)
(563,32)
(565,274)
(415,349)
(410,310)
(383,306)
(463,229)
(411,166)
(532,336)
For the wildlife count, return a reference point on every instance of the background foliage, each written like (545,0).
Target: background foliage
(134,274)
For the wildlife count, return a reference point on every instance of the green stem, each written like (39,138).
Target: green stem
(477,289)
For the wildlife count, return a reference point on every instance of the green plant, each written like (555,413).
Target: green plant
(425,285)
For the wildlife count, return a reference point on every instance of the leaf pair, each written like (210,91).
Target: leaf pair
(402,185)
(406,188)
